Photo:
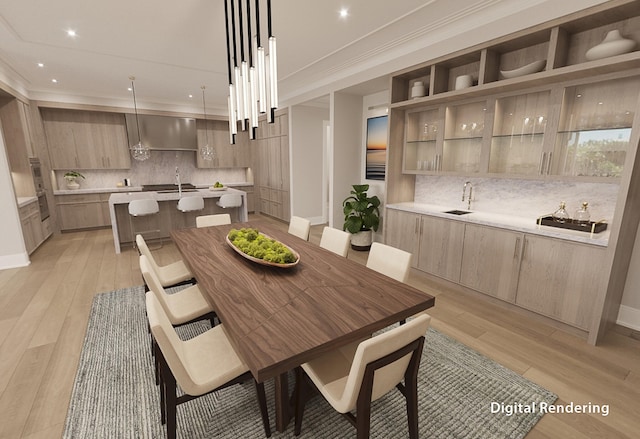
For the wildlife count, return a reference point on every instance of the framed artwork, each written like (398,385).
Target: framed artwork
(376,147)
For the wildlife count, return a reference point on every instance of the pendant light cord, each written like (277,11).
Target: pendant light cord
(204,112)
(135,106)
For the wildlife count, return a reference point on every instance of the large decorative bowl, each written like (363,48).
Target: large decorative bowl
(533,67)
(262,261)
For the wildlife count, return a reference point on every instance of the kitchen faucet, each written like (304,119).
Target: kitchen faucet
(464,191)
(178,182)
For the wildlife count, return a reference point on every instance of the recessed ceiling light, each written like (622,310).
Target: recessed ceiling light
(190,96)
(129,89)
(344,13)
(54,80)
(71,33)
(40,64)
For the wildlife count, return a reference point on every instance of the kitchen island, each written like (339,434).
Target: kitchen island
(169,218)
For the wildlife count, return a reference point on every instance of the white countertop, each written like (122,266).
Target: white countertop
(130,189)
(515,223)
(125,197)
(23,201)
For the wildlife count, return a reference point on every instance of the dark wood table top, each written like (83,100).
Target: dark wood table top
(278,318)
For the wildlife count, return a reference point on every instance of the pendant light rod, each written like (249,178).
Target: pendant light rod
(233,27)
(135,106)
(249,33)
(226,23)
(269,28)
(257,8)
(204,113)
(240,20)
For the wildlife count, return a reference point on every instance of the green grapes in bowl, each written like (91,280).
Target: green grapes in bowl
(261,248)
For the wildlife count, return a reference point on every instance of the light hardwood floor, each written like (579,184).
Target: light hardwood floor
(44,310)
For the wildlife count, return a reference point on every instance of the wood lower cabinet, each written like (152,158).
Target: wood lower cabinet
(560,279)
(403,232)
(441,243)
(83,211)
(490,261)
(32,231)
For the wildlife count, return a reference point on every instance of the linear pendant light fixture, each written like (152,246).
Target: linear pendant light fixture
(253,80)
(139,151)
(207,152)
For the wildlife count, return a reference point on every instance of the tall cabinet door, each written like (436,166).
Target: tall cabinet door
(490,261)
(402,230)
(560,279)
(441,247)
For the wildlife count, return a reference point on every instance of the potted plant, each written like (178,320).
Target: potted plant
(361,216)
(71,177)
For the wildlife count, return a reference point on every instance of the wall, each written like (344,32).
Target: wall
(306,125)
(12,251)
(346,120)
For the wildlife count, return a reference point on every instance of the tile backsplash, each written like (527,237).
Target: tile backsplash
(160,168)
(523,198)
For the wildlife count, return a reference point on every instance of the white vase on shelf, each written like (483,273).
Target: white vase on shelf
(613,44)
(417,91)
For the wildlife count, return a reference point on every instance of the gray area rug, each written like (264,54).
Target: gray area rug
(114,394)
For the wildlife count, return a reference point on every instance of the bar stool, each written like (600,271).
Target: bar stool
(141,208)
(229,201)
(191,203)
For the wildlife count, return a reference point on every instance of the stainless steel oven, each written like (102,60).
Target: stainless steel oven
(38,182)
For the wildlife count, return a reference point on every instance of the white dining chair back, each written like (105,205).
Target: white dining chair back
(335,240)
(191,203)
(389,261)
(229,200)
(300,227)
(219,219)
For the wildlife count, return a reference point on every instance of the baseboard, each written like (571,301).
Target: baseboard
(14,261)
(629,317)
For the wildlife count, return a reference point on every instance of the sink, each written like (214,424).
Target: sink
(457,212)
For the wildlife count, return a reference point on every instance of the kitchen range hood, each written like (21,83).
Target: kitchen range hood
(163,133)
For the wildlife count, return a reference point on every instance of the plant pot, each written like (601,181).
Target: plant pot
(72,184)
(361,241)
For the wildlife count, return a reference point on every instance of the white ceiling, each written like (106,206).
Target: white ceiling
(175,47)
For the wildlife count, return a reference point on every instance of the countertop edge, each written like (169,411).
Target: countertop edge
(518,224)
(130,189)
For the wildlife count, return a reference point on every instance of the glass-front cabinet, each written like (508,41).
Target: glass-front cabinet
(595,128)
(421,150)
(464,129)
(517,144)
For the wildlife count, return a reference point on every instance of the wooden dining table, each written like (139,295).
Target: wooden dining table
(279,318)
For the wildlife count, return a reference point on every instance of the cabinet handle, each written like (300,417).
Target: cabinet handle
(515,251)
(549,162)
(542,163)
(416,229)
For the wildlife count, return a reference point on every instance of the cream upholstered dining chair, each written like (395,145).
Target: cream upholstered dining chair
(300,227)
(213,220)
(335,240)
(184,306)
(352,377)
(191,203)
(389,261)
(200,365)
(170,275)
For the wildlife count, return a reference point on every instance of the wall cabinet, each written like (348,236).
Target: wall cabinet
(14,124)
(216,134)
(83,211)
(86,139)
(560,279)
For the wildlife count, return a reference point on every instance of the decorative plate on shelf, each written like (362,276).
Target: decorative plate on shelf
(262,261)
(533,67)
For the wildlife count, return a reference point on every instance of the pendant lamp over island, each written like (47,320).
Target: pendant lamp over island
(139,151)
(253,73)
(207,152)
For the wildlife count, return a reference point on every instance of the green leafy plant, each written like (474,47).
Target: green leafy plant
(72,175)
(361,211)
(257,245)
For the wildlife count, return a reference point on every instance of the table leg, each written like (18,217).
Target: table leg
(283,414)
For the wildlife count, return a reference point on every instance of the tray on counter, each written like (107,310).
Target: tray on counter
(590,227)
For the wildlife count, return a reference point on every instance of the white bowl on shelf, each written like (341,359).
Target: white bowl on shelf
(533,67)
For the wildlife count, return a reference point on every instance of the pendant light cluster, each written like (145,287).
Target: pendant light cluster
(139,151)
(207,152)
(252,71)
